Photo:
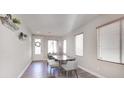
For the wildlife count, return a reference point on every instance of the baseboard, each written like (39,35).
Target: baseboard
(24,70)
(39,60)
(94,73)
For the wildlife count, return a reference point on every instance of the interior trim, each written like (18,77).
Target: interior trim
(24,70)
(94,73)
(119,19)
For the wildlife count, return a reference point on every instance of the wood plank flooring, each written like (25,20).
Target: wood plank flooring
(39,69)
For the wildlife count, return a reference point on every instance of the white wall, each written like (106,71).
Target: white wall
(44,46)
(14,54)
(89,60)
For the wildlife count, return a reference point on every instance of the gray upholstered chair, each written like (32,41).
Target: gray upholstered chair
(70,67)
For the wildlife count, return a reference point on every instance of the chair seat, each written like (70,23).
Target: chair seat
(52,63)
(71,65)
(68,68)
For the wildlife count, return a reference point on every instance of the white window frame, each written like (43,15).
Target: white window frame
(79,42)
(121,20)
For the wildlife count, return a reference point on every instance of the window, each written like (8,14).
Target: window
(37,46)
(109,42)
(122,43)
(79,44)
(52,46)
(64,46)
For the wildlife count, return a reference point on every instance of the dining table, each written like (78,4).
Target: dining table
(62,58)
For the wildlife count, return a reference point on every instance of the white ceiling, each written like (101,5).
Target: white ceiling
(55,24)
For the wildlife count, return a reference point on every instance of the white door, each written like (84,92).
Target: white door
(37,53)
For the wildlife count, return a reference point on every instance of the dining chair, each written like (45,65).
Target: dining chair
(70,67)
(49,55)
(53,64)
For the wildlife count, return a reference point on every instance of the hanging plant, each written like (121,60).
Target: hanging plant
(16,21)
(10,22)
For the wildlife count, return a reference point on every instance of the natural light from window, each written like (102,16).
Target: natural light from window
(108,43)
(79,45)
(64,46)
(52,46)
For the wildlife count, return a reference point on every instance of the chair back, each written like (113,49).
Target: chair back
(50,56)
(72,64)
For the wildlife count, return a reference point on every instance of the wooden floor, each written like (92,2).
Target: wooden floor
(39,69)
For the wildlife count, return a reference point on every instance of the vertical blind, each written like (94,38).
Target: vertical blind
(122,34)
(110,42)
